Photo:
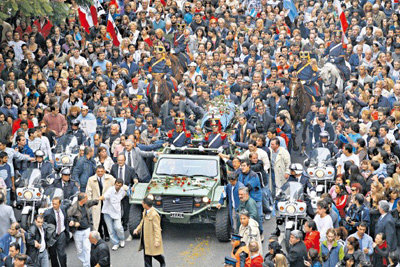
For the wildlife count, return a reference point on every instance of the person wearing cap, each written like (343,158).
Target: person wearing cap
(230,262)
(45,166)
(65,183)
(325,143)
(158,64)
(180,43)
(298,250)
(216,138)
(306,72)
(336,54)
(77,132)
(386,225)
(179,137)
(240,251)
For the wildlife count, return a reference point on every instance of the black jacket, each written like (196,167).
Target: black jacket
(130,174)
(70,188)
(328,128)
(32,236)
(50,219)
(100,254)
(297,254)
(387,226)
(396,216)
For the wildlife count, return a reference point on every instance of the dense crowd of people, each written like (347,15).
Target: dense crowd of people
(119,100)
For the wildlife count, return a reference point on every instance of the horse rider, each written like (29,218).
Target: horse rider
(180,44)
(216,138)
(307,73)
(336,54)
(158,66)
(179,137)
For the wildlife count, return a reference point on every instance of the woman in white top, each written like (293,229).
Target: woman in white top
(104,159)
(322,219)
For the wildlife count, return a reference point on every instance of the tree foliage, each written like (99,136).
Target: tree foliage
(56,10)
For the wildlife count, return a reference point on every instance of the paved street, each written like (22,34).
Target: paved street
(184,245)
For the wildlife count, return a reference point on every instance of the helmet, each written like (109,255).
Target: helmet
(324,134)
(75,122)
(305,55)
(39,153)
(66,171)
(297,168)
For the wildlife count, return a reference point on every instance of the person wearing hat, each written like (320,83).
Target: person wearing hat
(240,251)
(325,143)
(45,167)
(179,137)
(77,132)
(180,43)
(386,225)
(306,72)
(336,54)
(216,138)
(231,195)
(65,183)
(230,262)
(158,64)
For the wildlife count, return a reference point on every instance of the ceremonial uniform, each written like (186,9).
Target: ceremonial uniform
(216,139)
(336,54)
(241,252)
(179,138)
(180,44)
(158,66)
(307,73)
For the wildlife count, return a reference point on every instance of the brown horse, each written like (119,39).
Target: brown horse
(300,104)
(177,66)
(159,91)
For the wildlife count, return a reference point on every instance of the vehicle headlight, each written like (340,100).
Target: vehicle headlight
(150,196)
(205,199)
(65,160)
(28,195)
(157,198)
(319,173)
(291,209)
(197,199)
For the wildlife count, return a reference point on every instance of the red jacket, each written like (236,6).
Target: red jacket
(257,261)
(312,240)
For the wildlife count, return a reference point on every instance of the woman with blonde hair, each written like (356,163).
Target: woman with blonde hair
(280,261)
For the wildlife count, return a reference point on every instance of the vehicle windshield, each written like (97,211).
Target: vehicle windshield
(320,154)
(292,190)
(187,167)
(31,176)
(67,143)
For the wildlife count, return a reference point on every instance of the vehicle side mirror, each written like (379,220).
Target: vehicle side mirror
(50,181)
(333,162)
(307,163)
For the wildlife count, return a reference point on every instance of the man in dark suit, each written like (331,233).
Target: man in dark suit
(68,186)
(129,176)
(36,242)
(129,64)
(57,219)
(229,96)
(261,120)
(242,133)
(386,225)
(276,102)
(138,125)
(323,125)
(298,251)
(12,252)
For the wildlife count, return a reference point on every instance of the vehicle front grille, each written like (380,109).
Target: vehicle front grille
(177,204)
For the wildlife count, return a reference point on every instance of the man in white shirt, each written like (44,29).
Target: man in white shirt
(112,212)
(347,155)
(36,243)
(16,44)
(77,59)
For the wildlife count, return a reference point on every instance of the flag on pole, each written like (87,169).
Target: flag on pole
(85,18)
(96,10)
(289,5)
(113,31)
(342,16)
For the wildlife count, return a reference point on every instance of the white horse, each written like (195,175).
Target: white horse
(330,75)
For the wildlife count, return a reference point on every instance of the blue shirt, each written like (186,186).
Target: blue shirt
(365,242)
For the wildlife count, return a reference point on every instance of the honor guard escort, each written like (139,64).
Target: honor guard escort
(216,138)
(179,137)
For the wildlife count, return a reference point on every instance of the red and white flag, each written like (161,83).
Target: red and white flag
(96,10)
(85,18)
(113,31)
(342,16)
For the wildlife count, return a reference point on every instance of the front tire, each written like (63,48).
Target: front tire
(287,238)
(135,216)
(223,225)
(26,221)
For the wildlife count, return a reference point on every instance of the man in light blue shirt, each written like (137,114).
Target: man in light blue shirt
(364,239)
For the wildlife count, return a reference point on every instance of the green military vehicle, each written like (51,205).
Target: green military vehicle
(186,187)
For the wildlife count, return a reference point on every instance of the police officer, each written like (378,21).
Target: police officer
(306,72)
(179,137)
(297,175)
(324,142)
(240,252)
(68,186)
(336,54)
(77,132)
(230,262)
(216,138)
(45,166)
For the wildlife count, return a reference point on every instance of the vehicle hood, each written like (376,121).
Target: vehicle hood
(182,186)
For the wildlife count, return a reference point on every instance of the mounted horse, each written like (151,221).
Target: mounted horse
(158,91)
(300,103)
